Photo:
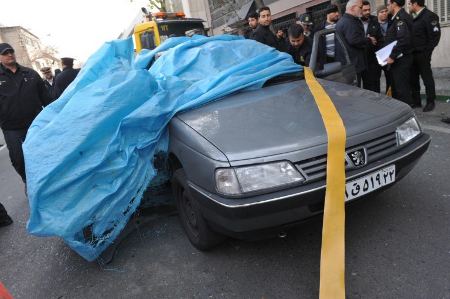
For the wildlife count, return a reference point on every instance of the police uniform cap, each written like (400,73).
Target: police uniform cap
(5,47)
(67,60)
(46,69)
(305,19)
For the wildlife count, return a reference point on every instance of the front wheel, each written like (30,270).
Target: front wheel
(195,226)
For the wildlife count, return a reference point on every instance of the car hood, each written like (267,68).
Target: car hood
(283,118)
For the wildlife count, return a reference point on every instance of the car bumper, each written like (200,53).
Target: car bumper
(243,217)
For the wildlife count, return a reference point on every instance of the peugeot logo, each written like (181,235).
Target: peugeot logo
(358,157)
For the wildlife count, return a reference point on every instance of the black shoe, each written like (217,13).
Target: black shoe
(429,107)
(5,220)
(416,105)
(446,120)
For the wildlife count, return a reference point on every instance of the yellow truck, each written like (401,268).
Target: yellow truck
(162,25)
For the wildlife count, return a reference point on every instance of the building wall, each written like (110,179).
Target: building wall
(197,9)
(224,12)
(174,5)
(441,55)
(30,52)
(13,36)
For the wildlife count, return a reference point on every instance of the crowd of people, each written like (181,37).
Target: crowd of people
(416,34)
(23,94)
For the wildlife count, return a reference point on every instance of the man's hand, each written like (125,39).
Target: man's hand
(390,60)
(372,40)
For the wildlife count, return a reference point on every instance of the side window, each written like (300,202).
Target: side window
(148,40)
(340,68)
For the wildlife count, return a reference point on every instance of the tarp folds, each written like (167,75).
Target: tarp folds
(88,155)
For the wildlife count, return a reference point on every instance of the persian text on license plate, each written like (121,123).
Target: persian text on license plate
(370,182)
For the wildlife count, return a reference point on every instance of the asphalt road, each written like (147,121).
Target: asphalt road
(397,246)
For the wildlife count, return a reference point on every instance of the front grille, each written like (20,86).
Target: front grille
(378,148)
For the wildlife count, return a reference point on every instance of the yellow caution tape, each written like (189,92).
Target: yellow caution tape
(332,261)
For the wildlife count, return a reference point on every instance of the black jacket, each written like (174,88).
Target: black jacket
(426,31)
(352,31)
(400,30)
(248,34)
(22,96)
(49,86)
(62,80)
(374,30)
(301,55)
(264,35)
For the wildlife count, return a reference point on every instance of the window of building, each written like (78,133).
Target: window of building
(318,12)
(441,8)
(284,22)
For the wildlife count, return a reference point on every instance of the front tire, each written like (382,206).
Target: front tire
(195,226)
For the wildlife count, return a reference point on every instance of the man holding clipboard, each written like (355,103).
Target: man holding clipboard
(400,60)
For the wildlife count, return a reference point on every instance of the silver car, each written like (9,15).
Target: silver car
(255,162)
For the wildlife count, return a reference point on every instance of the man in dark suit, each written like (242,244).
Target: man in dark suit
(351,29)
(66,77)
(371,76)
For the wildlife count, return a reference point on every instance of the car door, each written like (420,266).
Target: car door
(340,71)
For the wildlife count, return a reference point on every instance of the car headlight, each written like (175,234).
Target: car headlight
(407,131)
(239,180)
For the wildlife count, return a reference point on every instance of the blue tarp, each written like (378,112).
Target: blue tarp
(88,155)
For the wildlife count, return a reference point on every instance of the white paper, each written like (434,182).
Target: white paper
(383,53)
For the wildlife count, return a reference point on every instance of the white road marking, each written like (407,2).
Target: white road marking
(436,128)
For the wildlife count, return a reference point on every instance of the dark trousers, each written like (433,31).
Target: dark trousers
(400,78)
(422,68)
(14,140)
(371,77)
(358,79)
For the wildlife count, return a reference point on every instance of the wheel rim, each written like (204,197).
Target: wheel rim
(189,212)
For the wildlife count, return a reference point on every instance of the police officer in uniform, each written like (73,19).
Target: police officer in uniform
(64,78)
(299,46)
(49,79)
(426,35)
(306,22)
(400,59)
(22,96)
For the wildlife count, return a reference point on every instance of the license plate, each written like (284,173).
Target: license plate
(370,182)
